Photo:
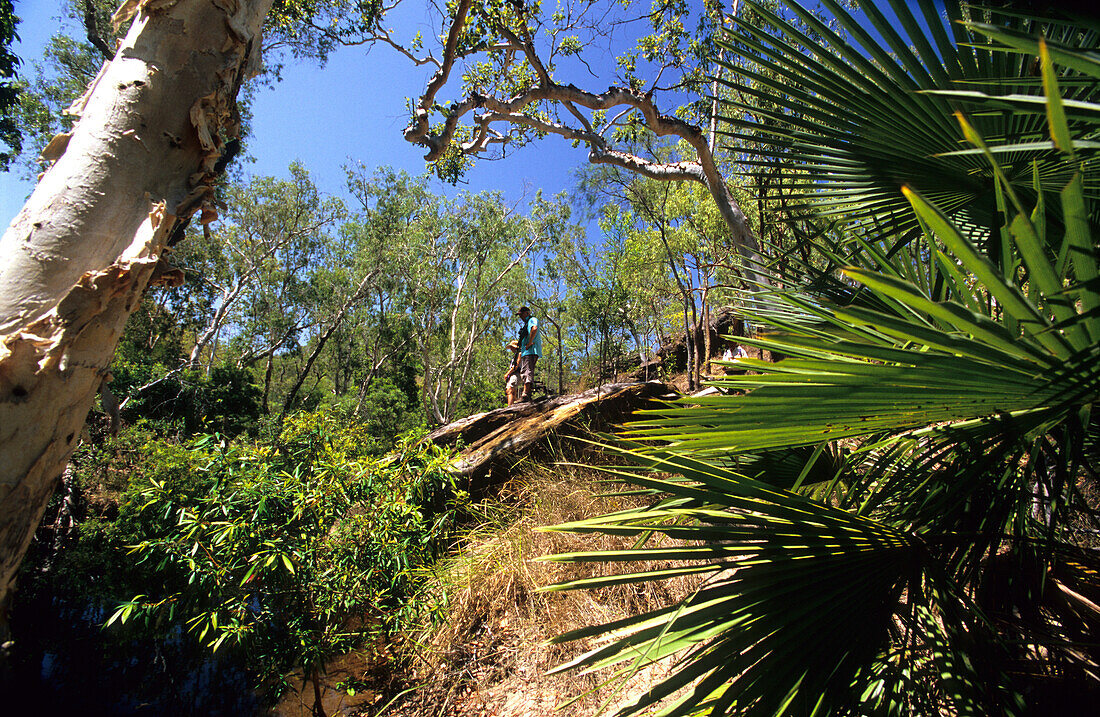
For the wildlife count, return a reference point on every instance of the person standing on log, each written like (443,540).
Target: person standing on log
(530,349)
(511,377)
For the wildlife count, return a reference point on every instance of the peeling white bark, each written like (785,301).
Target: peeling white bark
(75,261)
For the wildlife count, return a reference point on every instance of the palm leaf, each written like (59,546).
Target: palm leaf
(770,601)
(940,388)
(849,108)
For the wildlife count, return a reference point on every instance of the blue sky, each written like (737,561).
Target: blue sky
(353,109)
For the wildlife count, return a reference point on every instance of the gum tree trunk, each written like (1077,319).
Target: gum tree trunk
(75,261)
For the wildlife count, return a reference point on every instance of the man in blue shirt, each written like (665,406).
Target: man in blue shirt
(530,349)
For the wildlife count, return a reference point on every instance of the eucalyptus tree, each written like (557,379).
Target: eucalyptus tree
(73,264)
(551,268)
(338,290)
(86,36)
(899,519)
(608,286)
(675,245)
(407,227)
(152,137)
(392,209)
(518,63)
(269,237)
(511,74)
(275,237)
(67,67)
(452,268)
(293,555)
(596,313)
(161,332)
(486,242)
(662,225)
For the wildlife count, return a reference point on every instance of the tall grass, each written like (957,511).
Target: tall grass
(487,626)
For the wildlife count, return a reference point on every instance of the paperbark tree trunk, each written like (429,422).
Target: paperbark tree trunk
(73,264)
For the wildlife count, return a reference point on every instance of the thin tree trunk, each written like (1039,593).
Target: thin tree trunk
(706,323)
(338,372)
(318,702)
(336,321)
(638,344)
(485,109)
(375,367)
(431,406)
(248,359)
(685,295)
(694,344)
(561,358)
(267,380)
(214,326)
(688,345)
(214,351)
(75,261)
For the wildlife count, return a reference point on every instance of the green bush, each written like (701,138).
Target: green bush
(189,402)
(297,550)
(387,410)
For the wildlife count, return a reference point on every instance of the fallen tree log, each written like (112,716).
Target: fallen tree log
(491,442)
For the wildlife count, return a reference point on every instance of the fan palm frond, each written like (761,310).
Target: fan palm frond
(765,605)
(862,114)
(941,388)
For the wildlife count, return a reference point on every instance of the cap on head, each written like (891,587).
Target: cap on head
(521,309)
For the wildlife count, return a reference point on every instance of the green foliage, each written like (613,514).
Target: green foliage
(486,392)
(668,260)
(666,55)
(312,30)
(386,409)
(68,65)
(451,272)
(88,574)
(872,110)
(295,551)
(452,164)
(275,241)
(933,553)
(188,402)
(323,301)
(74,576)
(9,130)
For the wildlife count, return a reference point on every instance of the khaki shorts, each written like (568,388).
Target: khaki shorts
(527,368)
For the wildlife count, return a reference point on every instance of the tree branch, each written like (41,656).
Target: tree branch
(517,111)
(418,132)
(91,29)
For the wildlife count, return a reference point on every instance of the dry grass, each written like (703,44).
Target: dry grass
(489,655)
